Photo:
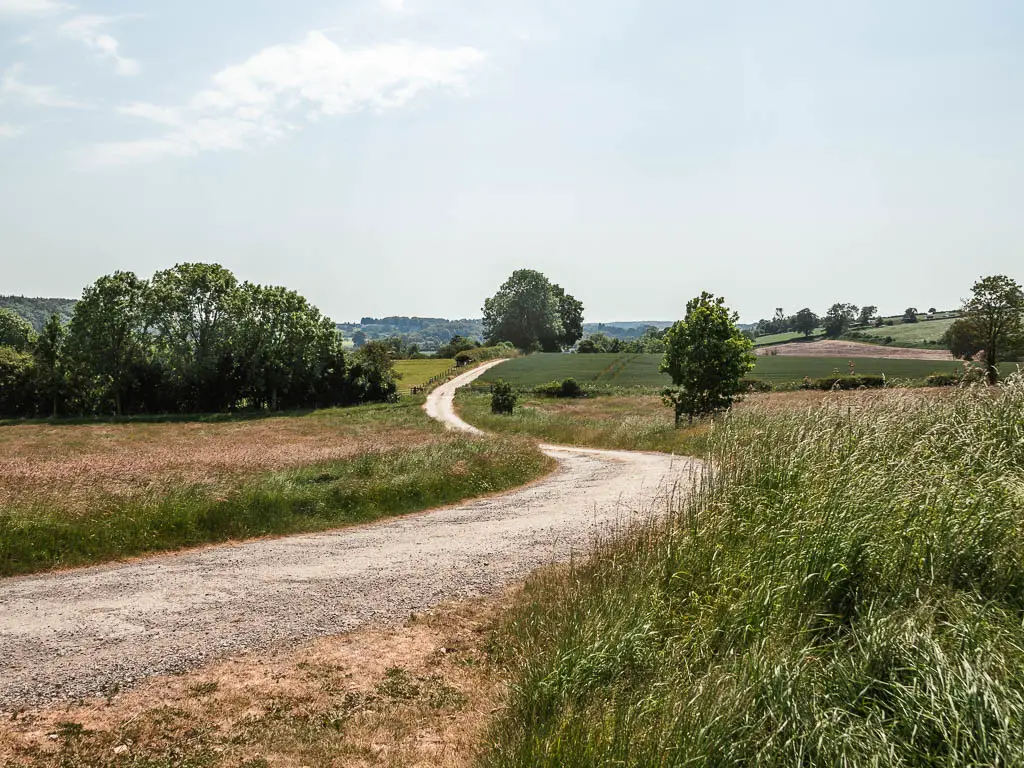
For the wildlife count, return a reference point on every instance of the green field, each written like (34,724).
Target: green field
(912,334)
(779,338)
(416,373)
(641,371)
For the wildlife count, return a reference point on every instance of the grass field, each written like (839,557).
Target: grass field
(610,371)
(416,373)
(925,333)
(635,422)
(845,590)
(72,494)
(779,338)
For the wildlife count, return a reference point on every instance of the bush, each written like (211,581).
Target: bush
(849,382)
(567,388)
(482,354)
(503,399)
(943,380)
(757,385)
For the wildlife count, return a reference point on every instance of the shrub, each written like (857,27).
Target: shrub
(943,380)
(757,385)
(849,382)
(567,388)
(503,399)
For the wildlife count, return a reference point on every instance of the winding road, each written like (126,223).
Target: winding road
(94,630)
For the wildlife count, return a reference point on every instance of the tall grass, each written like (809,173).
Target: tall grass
(330,494)
(847,589)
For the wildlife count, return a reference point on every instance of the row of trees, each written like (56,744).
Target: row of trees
(191,339)
(651,342)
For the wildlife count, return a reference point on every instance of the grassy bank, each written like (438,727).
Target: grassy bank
(632,423)
(847,590)
(74,495)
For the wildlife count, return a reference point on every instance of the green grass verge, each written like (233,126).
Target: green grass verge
(314,498)
(613,371)
(847,589)
(781,338)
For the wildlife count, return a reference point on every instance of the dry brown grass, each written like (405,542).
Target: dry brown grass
(75,463)
(418,695)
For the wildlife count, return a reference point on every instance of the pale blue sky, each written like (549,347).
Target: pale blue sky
(390,157)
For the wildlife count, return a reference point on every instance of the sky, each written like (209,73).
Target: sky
(403,157)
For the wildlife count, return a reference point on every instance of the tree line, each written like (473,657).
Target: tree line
(190,339)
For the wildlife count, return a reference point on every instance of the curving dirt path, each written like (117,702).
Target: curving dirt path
(95,630)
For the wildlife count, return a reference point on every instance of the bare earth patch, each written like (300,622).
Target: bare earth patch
(828,348)
(418,695)
(75,463)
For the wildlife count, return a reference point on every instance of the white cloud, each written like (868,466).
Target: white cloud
(31,7)
(8,131)
(396,6)
(248,104)
(88,30)
(37,95)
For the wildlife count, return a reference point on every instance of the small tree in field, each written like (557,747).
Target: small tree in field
(707,356)
(503,399)
(806,322)
(995,316)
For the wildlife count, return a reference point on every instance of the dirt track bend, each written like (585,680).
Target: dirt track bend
(99,629)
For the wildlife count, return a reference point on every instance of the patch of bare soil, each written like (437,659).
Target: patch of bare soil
(418,695)
(829,348)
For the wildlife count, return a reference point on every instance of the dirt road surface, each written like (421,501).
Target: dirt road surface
(102,629)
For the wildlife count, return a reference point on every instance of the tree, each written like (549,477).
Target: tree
(530,312)
(838,319)
(49,369)
(806,322)
(358,339)
(867,314)
(15,331)
(108,334)
(963,339)
(190,312)
(707,356)
(910,315)
(995,312)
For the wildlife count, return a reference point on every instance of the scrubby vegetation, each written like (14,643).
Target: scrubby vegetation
(844,589)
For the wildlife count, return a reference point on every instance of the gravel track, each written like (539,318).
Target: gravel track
(96,630)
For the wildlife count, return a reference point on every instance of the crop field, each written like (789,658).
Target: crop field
(416,373)
(912,333)
(609,371)
(80,493)
(779,338)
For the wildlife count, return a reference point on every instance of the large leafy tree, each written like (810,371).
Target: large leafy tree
(994,317)
(284,343)
(108,335)
(191,315)
(707,356)
(15,331)
(805,322)
(531,312)
(49,368)
(838,319)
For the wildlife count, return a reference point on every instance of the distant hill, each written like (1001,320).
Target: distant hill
(428,332)
(37,310)
(624,329)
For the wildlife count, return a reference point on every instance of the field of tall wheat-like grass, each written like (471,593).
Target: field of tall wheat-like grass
(73,494)
(847,588)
